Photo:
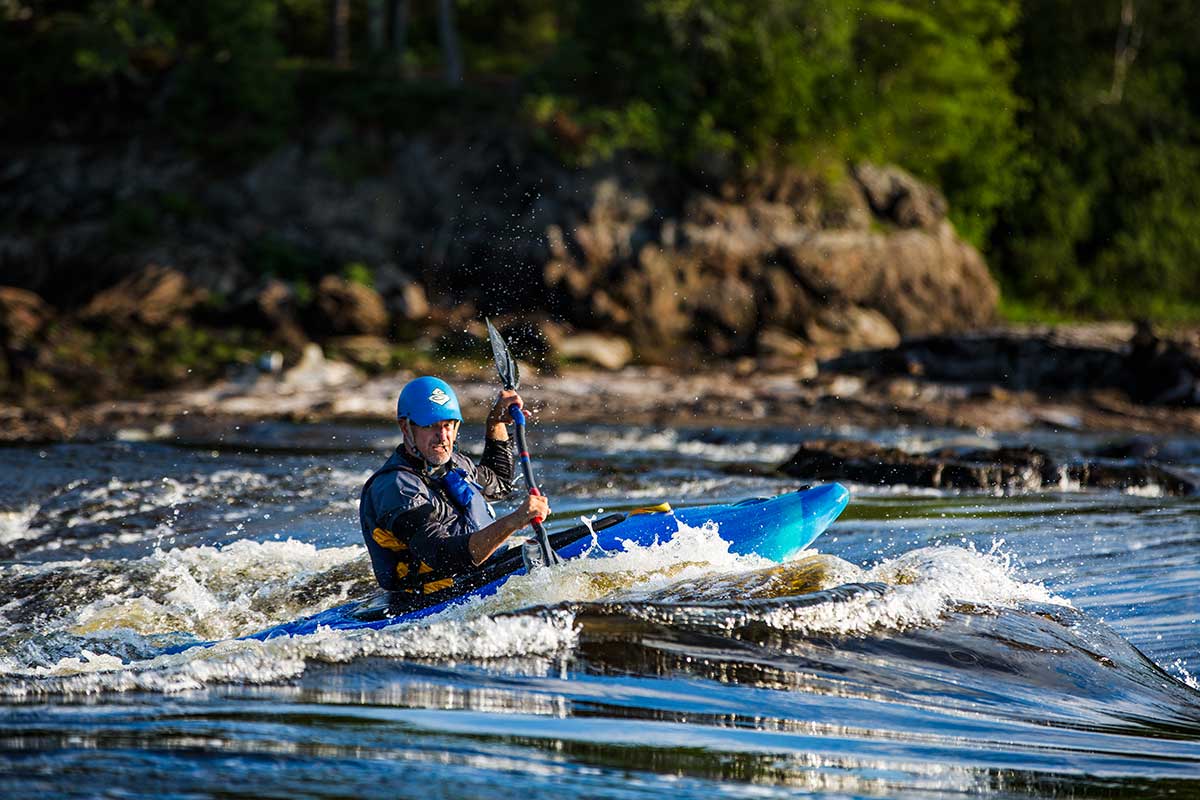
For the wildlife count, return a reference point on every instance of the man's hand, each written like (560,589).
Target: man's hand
(535,505)
(498,417)
(484,542)
(499,414)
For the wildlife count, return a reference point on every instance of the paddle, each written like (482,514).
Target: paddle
(510,376)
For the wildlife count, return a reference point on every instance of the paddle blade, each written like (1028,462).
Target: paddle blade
(506,365)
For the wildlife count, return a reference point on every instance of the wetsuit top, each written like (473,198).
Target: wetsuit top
(416,523)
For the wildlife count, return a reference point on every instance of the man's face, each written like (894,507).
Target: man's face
(434,442)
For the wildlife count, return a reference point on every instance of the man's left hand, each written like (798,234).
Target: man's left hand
(499,414)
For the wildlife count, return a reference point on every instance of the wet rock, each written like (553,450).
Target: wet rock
(1003,469)
(155,296)
(1100,475)
(1140,448)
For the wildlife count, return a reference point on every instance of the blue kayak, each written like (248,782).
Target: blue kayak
(776,528)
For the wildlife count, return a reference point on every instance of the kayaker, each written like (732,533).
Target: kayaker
(425,513)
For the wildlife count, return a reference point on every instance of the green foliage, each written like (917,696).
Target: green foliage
(272,255)
(226,95)
(360,273)
(688,79)
(932,90)
(1080,183)
(1112,225)
(207,72)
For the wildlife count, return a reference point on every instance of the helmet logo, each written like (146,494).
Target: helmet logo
(439,397)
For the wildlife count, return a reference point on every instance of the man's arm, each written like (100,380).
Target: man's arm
(487,540)
(495,470)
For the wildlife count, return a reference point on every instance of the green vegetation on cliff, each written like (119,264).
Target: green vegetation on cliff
(1065,135)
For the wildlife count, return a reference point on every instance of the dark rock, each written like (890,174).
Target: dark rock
(1007,469)
(486,219)
(1099,475)
(1141,448)
(1161,371)
(1148,369)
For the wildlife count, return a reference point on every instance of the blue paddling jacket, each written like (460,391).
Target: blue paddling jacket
(416,523)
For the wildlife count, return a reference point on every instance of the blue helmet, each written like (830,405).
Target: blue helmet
(427,400)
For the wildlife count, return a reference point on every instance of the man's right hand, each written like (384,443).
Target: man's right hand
(535,505)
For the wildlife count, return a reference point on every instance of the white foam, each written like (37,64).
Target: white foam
(638,440)
(283,658)
(14,524)
(633,572)
(922,585)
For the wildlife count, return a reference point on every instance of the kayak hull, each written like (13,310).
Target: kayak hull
(776,528)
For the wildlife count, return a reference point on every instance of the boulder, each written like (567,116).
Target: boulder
(403,296)
(609,352)
(900,198)
(850,328)
(274,307)
(344,308)
(23,316)
(155,296)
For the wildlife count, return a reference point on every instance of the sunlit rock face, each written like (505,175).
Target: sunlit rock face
(486,221)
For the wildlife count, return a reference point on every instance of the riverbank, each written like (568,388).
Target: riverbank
(863,389)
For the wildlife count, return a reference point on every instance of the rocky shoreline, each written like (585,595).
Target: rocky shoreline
(825,395)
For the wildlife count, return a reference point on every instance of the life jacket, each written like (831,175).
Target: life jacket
(472,513)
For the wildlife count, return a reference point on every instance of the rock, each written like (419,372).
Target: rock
(404,297)
(851,328)
(372,353)
(1148,369)
(23,316)
(1007,469)
(1162,371)
(777,342)
(609,352)
(156,297)
(344,308)
(896,196)
(274,307)
(624,247)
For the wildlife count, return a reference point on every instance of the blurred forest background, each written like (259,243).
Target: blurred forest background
(1065,134)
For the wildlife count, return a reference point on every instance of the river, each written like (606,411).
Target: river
(930,644)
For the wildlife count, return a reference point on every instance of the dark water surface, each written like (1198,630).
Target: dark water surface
(933,644)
